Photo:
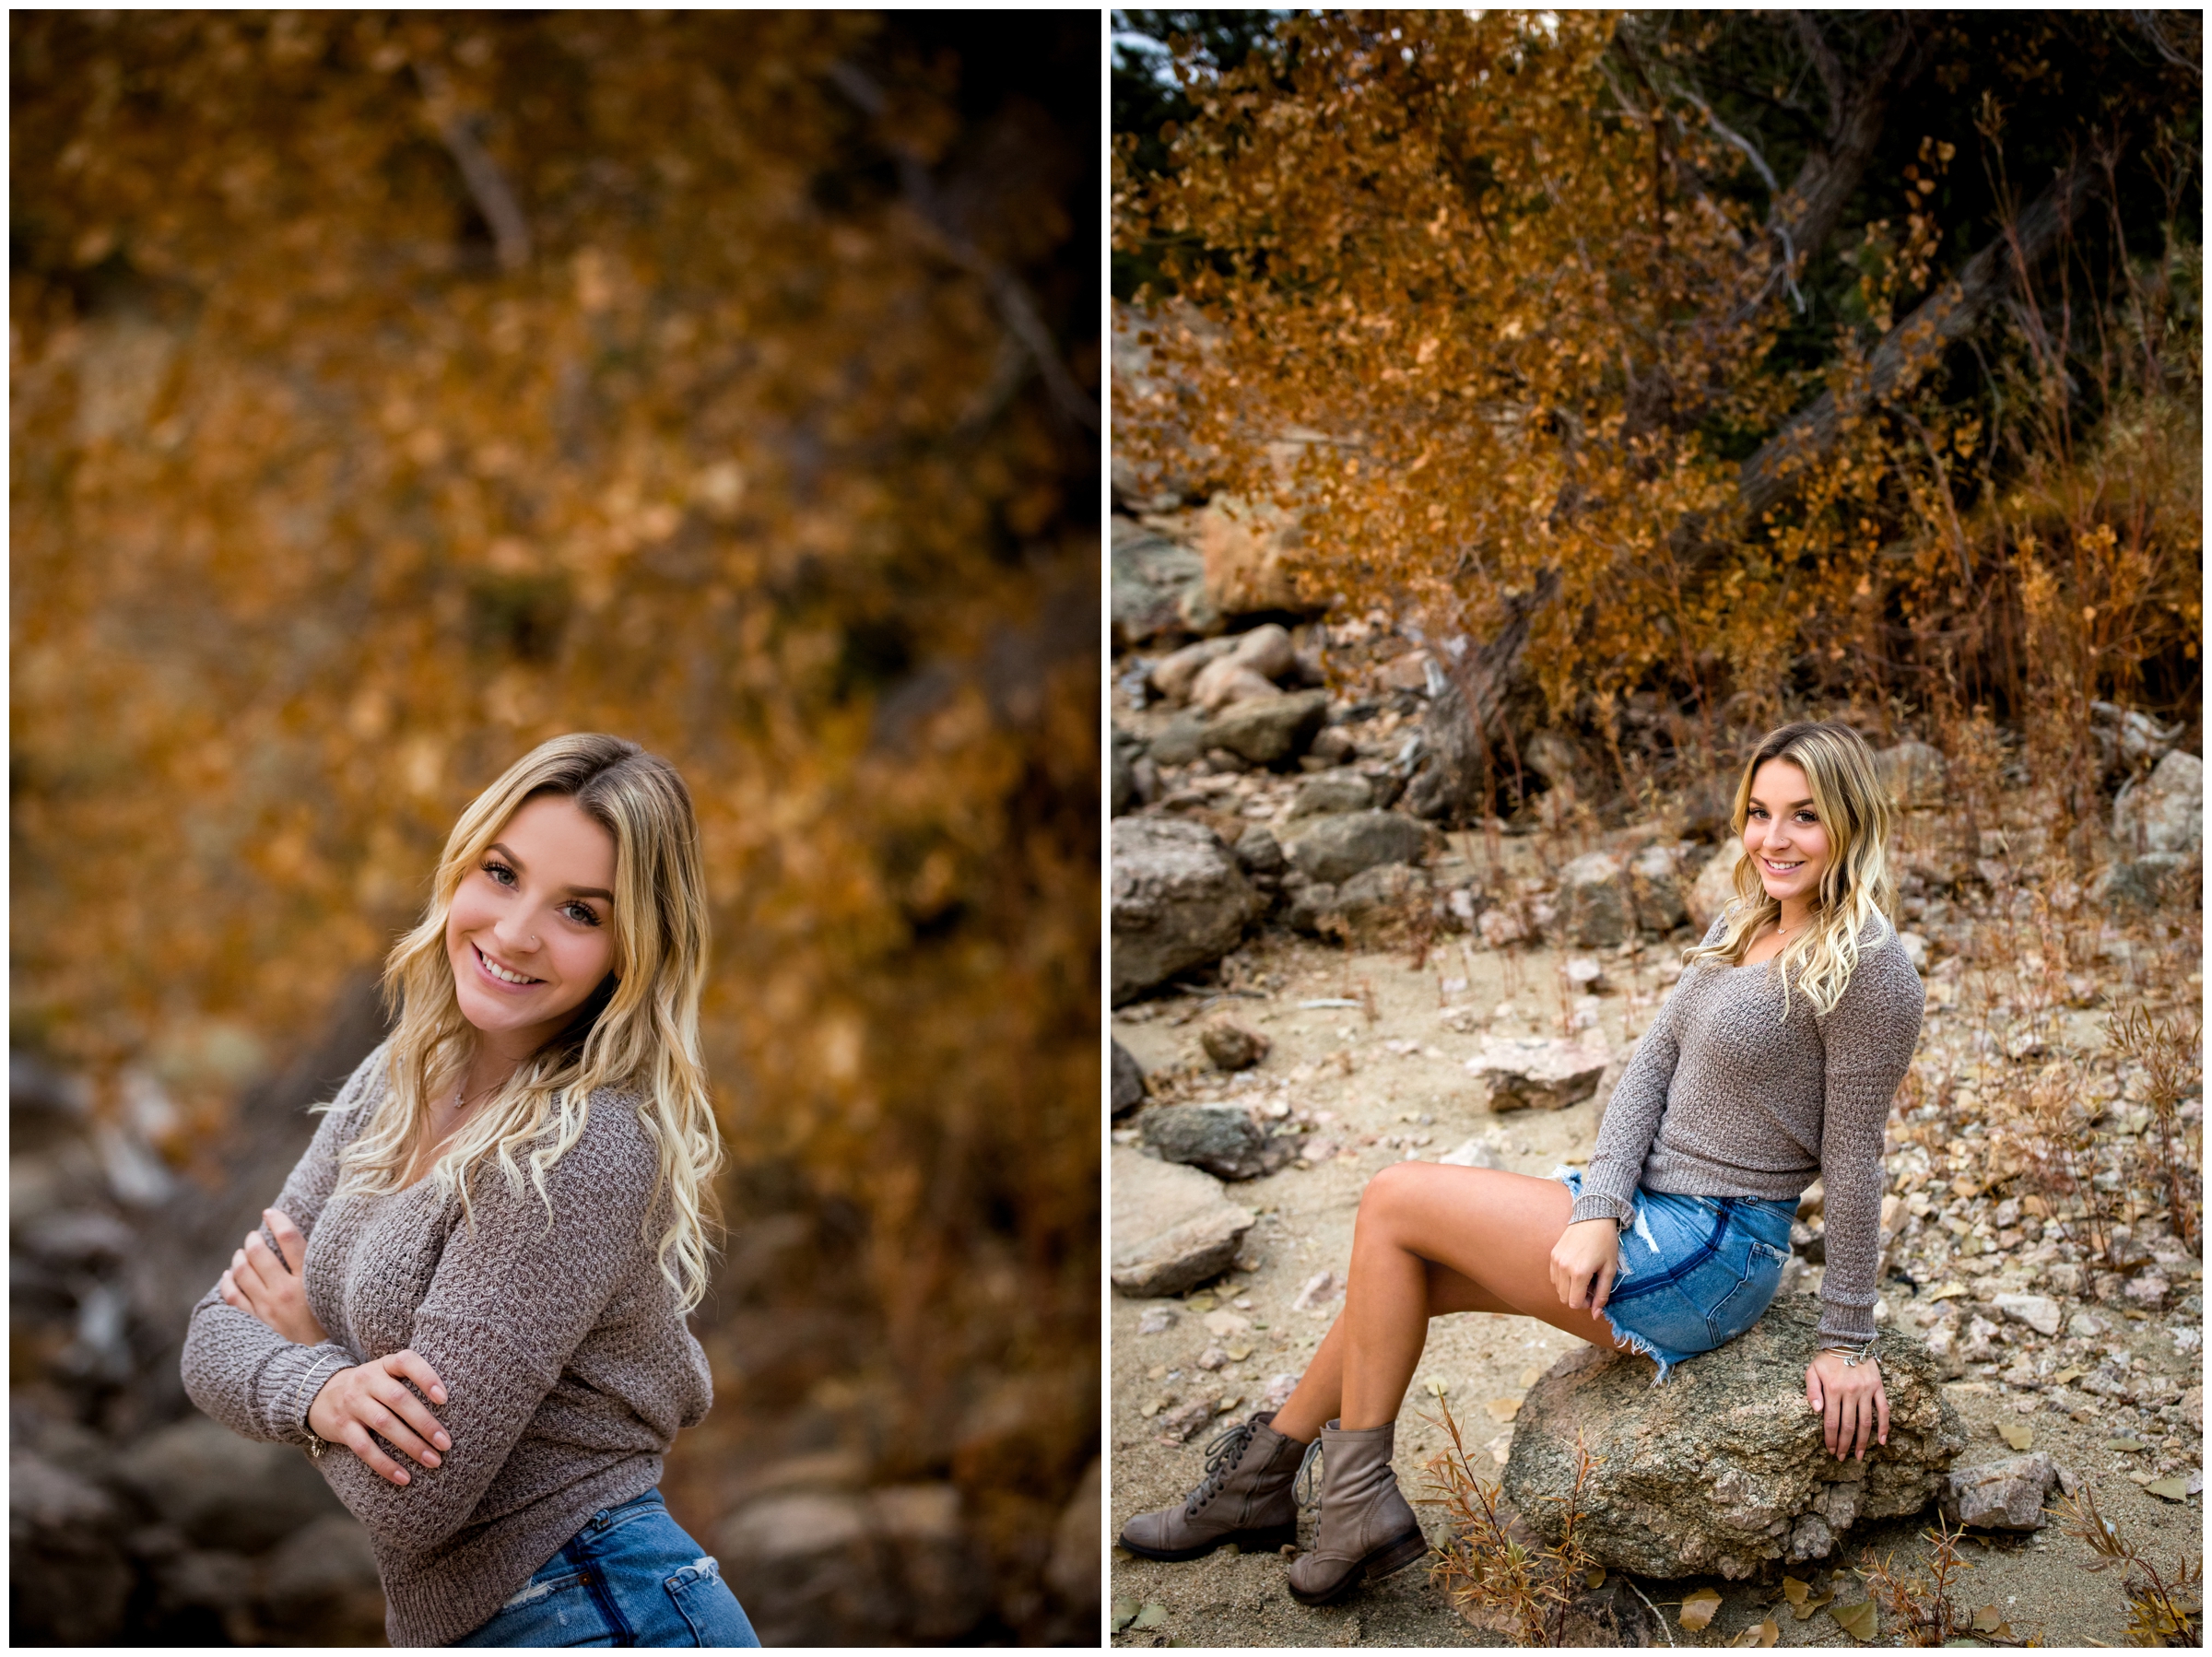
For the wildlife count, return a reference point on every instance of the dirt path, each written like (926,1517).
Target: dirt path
(1391,1085)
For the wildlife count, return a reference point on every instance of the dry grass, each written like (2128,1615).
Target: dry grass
(2164,1607)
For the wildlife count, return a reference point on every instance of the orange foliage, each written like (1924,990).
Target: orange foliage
(339,482)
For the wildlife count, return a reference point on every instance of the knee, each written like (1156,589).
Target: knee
(1387,1193)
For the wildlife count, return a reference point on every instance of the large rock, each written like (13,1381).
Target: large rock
(2000,1496)
(1388,891)
(1268,651)
(1270,730)
(1723,1467)
(894,1565)
(1173,676)
(1179,900)
(1228,680)
(2152,880)
(1536,1072)
(1655,888)
(1129,1081)
(1125,750)
(1714,887)
(1233,1045)
(1914,774)
(1222,1139)
(1594,901)
(1330,793)
(2162,812)
(1331,850)
(1154,579)
(1172,1227)
(1181,739)
(223,1491)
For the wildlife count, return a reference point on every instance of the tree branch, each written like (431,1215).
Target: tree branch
(1016,309)
(510,230)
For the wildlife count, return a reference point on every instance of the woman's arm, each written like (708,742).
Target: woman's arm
(513,1298)
(236,1368)
(1633,1113)
(1869,1036)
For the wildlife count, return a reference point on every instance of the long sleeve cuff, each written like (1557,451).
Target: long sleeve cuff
(1843,1323)
(1601,1205)
(293,1377)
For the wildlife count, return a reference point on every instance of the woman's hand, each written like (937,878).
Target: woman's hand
(1583,1261)
(372,1399)
(272,1286)
(1852,1406)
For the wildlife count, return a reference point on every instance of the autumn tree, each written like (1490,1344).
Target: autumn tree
(394,391)
(1714,361)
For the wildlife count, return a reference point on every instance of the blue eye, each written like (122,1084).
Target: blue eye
(581,913)
(499,872)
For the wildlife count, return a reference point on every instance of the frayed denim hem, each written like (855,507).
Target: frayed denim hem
(1642,1347)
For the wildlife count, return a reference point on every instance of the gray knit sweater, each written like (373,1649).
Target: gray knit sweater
(567,1369)
(1723,1097)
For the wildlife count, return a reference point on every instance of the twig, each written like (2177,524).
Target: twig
(510,230)
(1657,1616)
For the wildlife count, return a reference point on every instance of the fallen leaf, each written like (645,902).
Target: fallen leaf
(1200,1303)
(1237,1354)
(1758,1634)
(1435,1389)
(1503,1409)
(1125,1612)
(1856,1619)
(1989,1619)
(2124,1444)
(1697,1608)
(1530,1376)
(1150,1410)
(1794,1590)
(1151,1616)
(2172,1489)
(1229,1402)
(1813,1601)
(1595,1577)
(2017,1434)
(1949,1291)
(2070,1373)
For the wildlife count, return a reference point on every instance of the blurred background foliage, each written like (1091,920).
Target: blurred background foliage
(392,392)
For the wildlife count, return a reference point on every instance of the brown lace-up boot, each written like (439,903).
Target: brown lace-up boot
(1367,1529)
(1244,1498)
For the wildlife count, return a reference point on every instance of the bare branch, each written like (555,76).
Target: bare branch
(1825,61)
(1017,307)
(510,230)
(2146,23)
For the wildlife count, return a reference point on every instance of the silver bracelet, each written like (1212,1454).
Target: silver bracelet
(316,1443)
(1853,1355)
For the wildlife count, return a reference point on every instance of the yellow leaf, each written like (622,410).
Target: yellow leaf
(1758,1634)
(2172,1489)
(1989,1619)
(1794,1590)
(1595,1577)
(1697,1608)
(1949,1291)
(1856,1619)
(1530,1376)
(1503,1409)
(1813,1601)
(2017,1434)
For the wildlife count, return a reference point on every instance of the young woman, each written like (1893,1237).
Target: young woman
(1774,1062)
(469,1302)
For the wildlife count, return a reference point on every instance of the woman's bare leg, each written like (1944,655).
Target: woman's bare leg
(1432,1240)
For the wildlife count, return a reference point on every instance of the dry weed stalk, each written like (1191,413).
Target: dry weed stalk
(2172,1054)
(1483,1568)
(2164,1608)
(1922,1605)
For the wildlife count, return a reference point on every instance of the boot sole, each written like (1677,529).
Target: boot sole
(1271,1540)
(1386,1560)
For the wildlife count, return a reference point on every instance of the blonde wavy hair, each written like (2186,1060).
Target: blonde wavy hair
(636,1035)
(1856,810)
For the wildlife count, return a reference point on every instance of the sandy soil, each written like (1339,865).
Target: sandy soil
(1395,1086)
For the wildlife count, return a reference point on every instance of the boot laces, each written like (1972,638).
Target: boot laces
(1221,1458)
(1301,1487)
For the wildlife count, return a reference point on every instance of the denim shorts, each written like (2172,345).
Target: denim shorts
(1695,1272)
(631,1577)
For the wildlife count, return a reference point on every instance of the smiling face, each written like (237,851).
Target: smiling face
(1783,835)
(530,932)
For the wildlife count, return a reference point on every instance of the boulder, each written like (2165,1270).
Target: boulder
(223,1491)
(1594,901)
(2152,880)
(320,1586)
(1381,893)
(1269,730)
(1535,1072)
(1330,793)
(1914,774)
(1226,681)
(1314,909)
(69,1582)
(1179,900)
(2162,812)
(1721,1467)
(1267,650)
(1243,544)
(1153,580)
(1232,1045)
(888,1565)
(1712,892)
(1182,739)
(1125,793)
(2000,1496)
(1656,888)
(1173,676)
(2039,1313)
(1171,1228)
(1259,854)
(1129,1081)
(1331,850)
(1222,1139)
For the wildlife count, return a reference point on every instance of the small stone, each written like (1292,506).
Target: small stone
(1129,1081)
(1535,1072)
(2086,1326)
(1232,1045)
(1475,1153)
(2039,1313)
(2147,1289)
(1222,1139)
(1171,1226)
(1319,1290)
(1594,900)
(1331,793)
(1180,1423)
(1331,850)
(1584,973)
(1213,1357)
(1156,1319)
(1226,1323)
(2006,1495)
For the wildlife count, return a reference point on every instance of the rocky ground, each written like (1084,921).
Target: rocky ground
(1263,875)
